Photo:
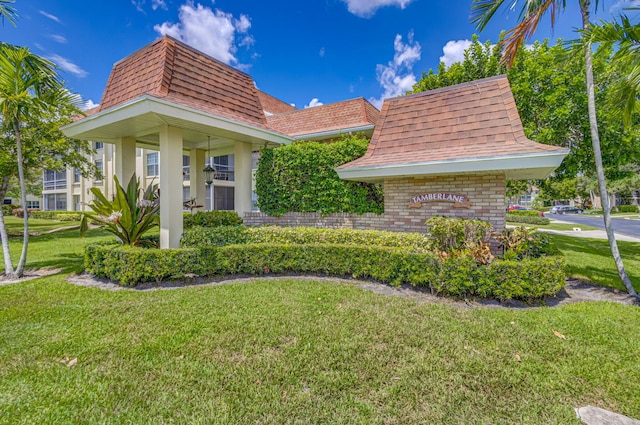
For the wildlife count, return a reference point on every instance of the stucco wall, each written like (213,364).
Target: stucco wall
(485,192)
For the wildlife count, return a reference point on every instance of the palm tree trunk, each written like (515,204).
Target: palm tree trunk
(23,198)
(8,264)
(597,154)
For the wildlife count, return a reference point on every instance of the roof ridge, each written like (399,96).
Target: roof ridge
(448,88)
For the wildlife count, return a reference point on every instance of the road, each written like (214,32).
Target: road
(620,225)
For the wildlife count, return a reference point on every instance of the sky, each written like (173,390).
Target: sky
(306,52)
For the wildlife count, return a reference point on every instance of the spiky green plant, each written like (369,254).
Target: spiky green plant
(130,214)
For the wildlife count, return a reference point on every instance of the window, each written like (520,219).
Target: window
(76,175)
(186,160)
(152,164)
(99,145)
(224,166)
(33,204)
(100,167)
(54,180)
(222,197)
(55,202)
(76,203)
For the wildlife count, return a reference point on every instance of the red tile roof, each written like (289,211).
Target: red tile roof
(472,120)
(332,117)
(171,70)
(272,105)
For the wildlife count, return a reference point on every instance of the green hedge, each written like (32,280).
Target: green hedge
(52,215)
(7,209)
(457,276)
(514,218)
(628,208)
(220,236)
(302,178)
(212,219)
(529,213)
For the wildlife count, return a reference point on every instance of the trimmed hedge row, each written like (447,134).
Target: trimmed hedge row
(227,235)
(456,276)
(526,219)
(212,219)
(530,213)
(628,208)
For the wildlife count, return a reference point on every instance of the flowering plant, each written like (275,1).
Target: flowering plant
(130,214)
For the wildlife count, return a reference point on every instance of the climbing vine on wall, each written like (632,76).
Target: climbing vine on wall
(301,178)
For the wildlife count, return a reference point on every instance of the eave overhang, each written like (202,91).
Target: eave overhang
(143,117)
(323,135)
(515,167)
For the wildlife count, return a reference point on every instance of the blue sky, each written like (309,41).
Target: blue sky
(305,52)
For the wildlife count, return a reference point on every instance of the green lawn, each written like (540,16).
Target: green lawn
(308,352)
(14,225)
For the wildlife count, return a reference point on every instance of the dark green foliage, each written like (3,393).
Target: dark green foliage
(528,278)
(521,243)
(199,236)
(456,234)
(527,219)
(627,208)
(7,209)
(530,213)
(68,217)
(212,219)
(302,178)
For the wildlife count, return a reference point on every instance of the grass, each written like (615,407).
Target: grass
(591,259)
(14,225)
(305,352)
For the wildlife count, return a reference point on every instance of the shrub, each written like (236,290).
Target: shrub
(19,212)
(219,236)
(457,233)
(130,214)
(7,209)
(302,178)
(453,275)
(528,213)
(520,243)
(526,219)
(68,217)
(628,208)
(212,219)
(46,215)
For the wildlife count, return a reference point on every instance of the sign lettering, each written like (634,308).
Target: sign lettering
(459,201)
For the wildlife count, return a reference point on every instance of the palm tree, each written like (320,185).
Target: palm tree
(531,13)
(29,86)
(8,12)
(627,59)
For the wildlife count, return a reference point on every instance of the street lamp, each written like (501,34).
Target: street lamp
(209,171)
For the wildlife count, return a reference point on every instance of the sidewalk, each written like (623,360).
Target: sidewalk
(596,234)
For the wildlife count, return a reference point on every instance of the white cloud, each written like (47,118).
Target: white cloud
(158,4)
(88,104)
(66,65)
(314,102)
(454,51)
(397,76)
(50,16)
(367,8)
(322,52)
(213,32)
(59,38)
(620,5)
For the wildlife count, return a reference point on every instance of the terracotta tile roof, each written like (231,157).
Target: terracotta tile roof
(272,105)
(171,70)
(335,116)
(471,120)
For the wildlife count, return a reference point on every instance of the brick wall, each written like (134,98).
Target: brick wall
(485,192)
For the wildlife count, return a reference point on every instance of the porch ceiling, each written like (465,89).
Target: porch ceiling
(143,117)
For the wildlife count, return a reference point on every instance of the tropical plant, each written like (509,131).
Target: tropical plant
(626,58)
(8,12)
(33,100)
(531,13)
(130,214)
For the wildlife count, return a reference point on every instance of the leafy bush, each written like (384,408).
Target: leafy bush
(520,243)
(457,233)
(199,236)
(69,217)
(628,208)
(7,209)
(19,212)
(529,213)
(212,219)
(302,178)
(129,215)
(455,276)
(46,215)
(526,219)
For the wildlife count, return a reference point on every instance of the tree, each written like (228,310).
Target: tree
(627,59)
(33,105)
(8,12)
(531,13)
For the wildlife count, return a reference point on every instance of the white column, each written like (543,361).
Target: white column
(70,187)
(197,188)
(242,172)
(125,159)
(170,186)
